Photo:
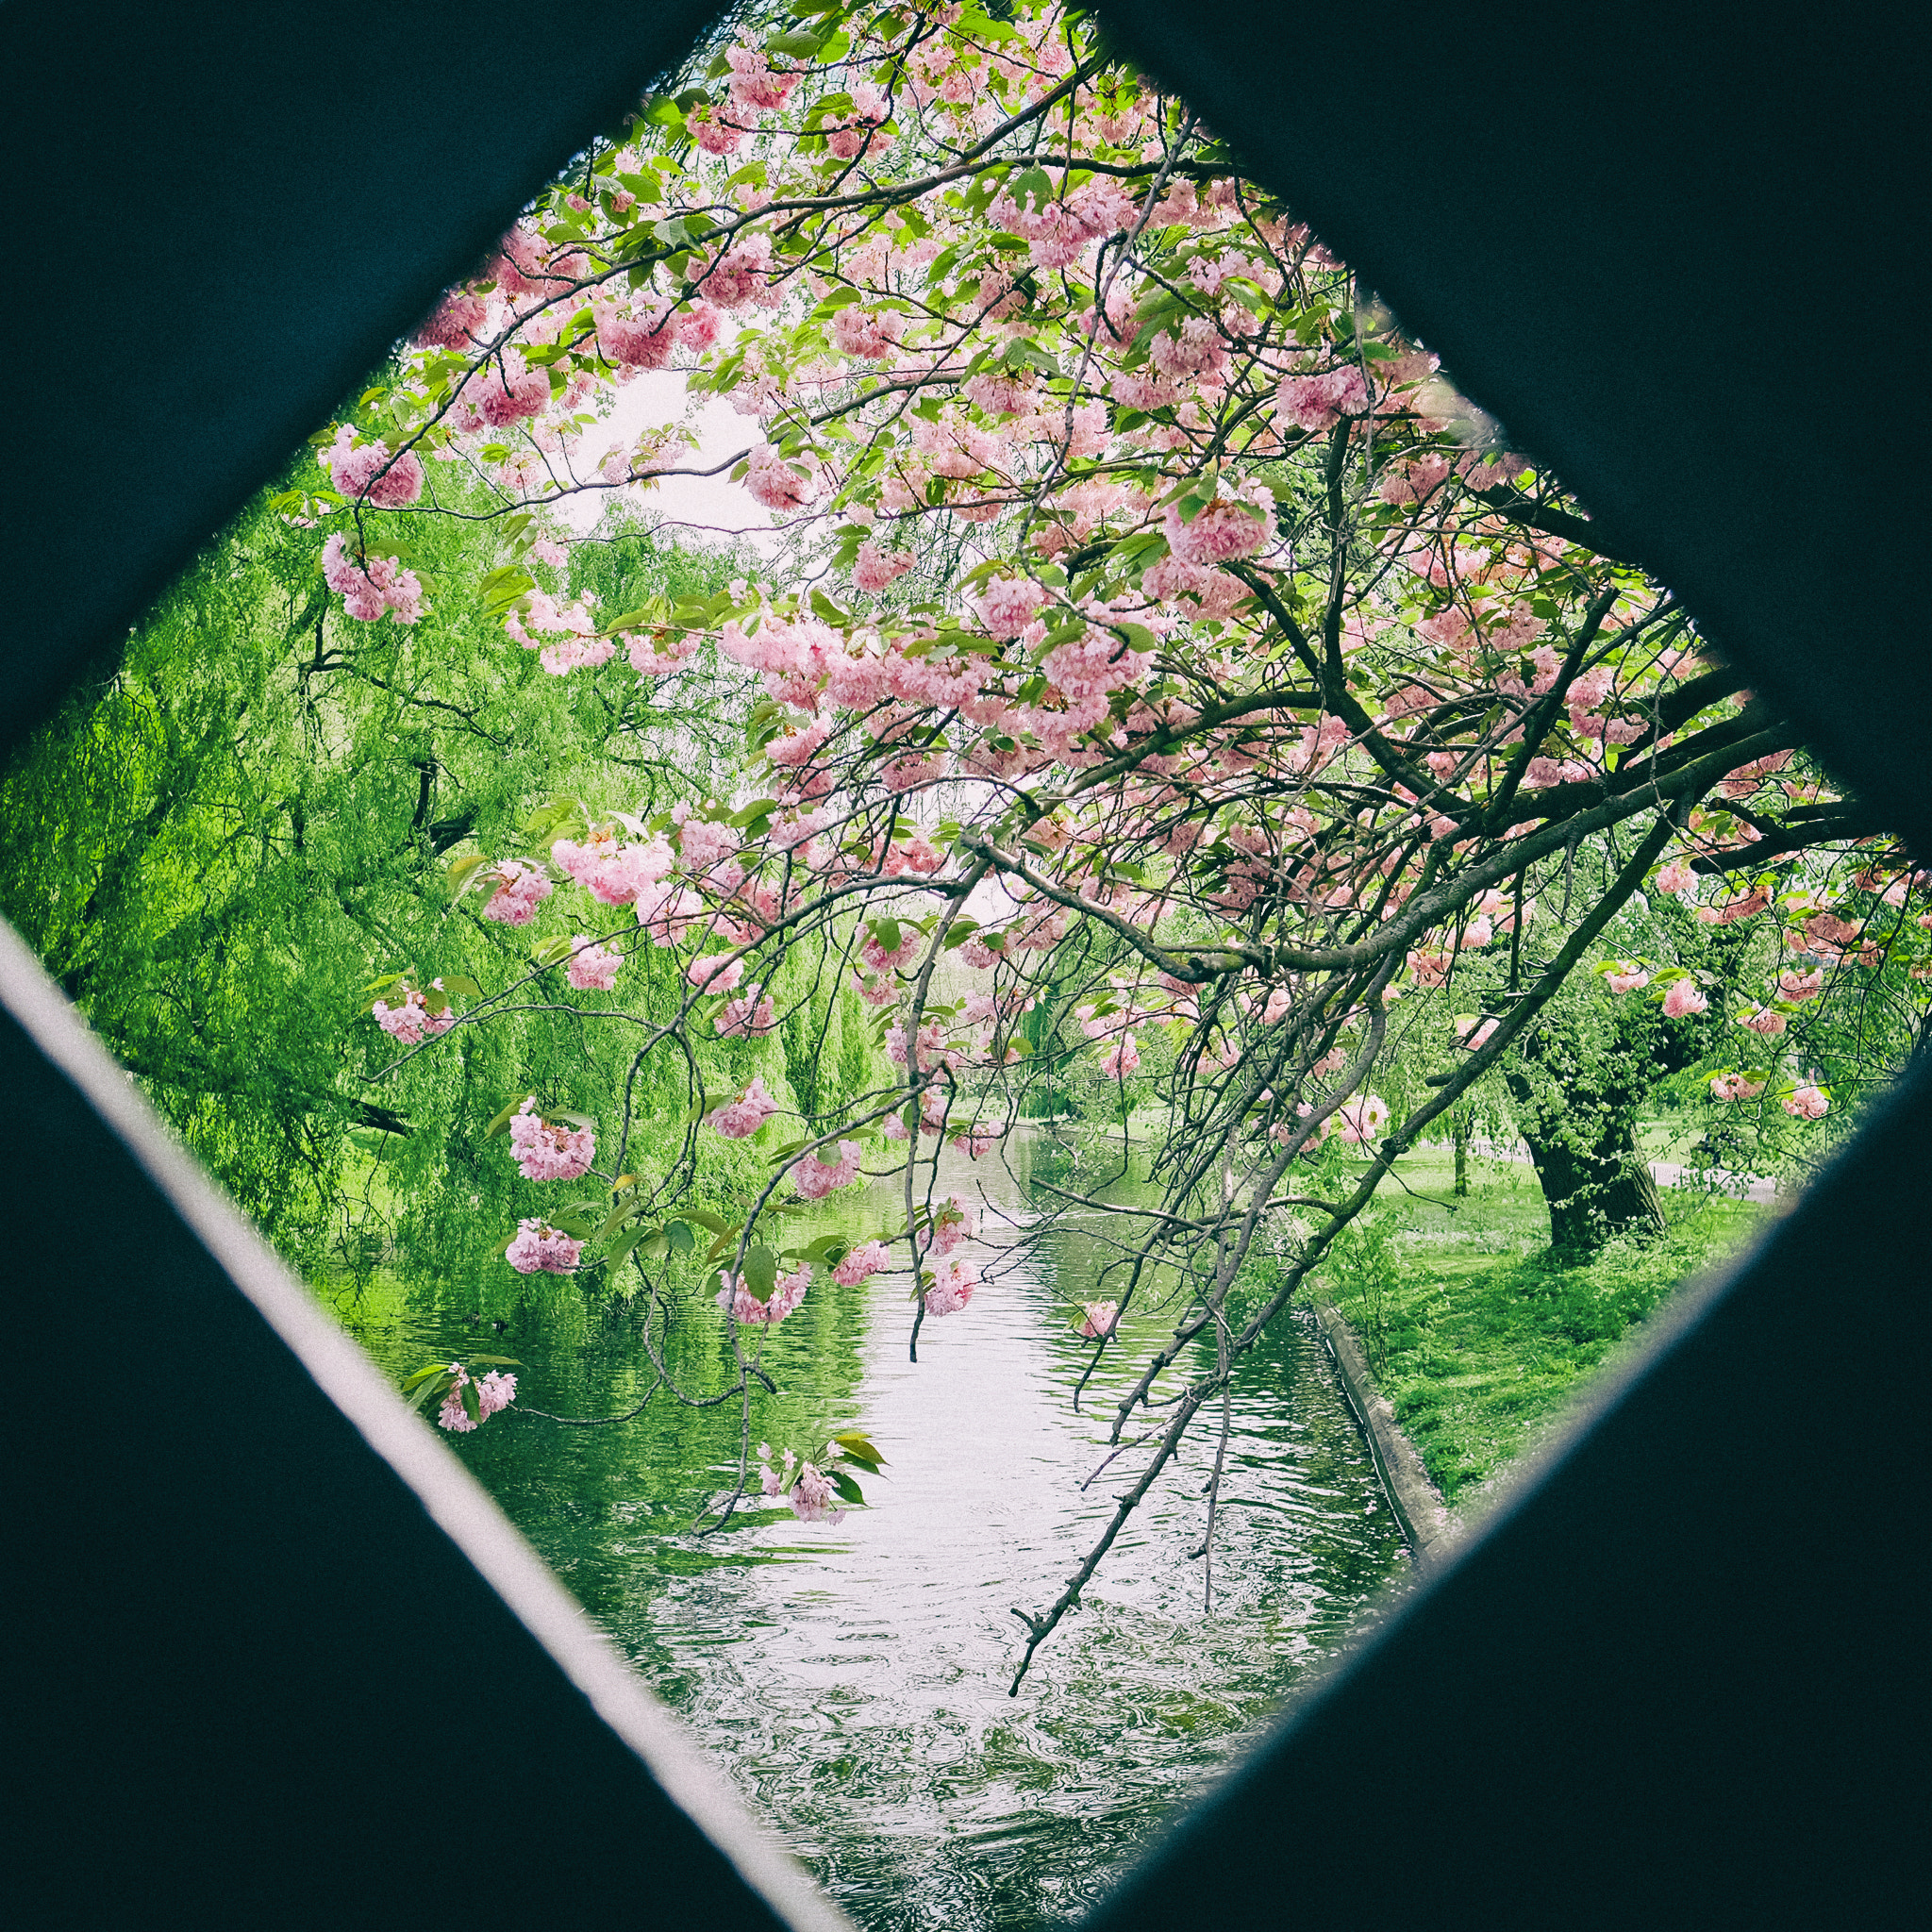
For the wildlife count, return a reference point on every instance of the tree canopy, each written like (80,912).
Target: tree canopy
(1162,669)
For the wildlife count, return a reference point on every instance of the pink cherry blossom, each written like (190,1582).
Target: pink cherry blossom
(815,1179)
(706,126)
(773,482)
(1194,349)
(749,1015)
(609,870)
(456,322)
(549,1153)
(952,1223)
(507,390)
(811,1496)
(746,1115)
(1746,906)
(1008,605)
(1122,1060)
(756,85)
(1766,1021)
(412,1022)
(866,335)
(749,1312)
(1226,528)
(1627,978)
(1315,402)
(644,338)
(520,890)
(593,968)
(1796,986)
(952,1289)
(1097,1319)
(494,1392)
(1807,1102)
(371,473)
(1362,1120)
(879,959)
(875,570)
(1734,1087)
(1676,876)
(539,1246)
(860,1265)
(1681,998)
(715,974)
(1428,968)
(702,842)
(453,1415)
(739,274)
(370,585)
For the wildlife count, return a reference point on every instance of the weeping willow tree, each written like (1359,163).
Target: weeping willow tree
(218,849)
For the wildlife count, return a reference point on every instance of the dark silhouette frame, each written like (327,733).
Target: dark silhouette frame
(257,1627)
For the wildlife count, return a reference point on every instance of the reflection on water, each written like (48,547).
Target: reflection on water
(854,1678)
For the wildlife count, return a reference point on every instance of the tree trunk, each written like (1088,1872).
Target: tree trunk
(1593,1191)
(1462,1188)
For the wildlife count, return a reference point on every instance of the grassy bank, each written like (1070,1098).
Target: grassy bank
(1476,1335)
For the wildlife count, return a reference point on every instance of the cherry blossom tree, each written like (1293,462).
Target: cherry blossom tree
(1158,647)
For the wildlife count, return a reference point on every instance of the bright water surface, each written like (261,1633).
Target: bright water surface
(853,1679)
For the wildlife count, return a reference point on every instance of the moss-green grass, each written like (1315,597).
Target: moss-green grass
(1476,1334)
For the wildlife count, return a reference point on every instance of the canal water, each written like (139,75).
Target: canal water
(853,1679)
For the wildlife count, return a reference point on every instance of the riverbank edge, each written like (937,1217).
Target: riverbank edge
(1430,1525)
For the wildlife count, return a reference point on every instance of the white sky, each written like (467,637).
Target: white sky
(705,509)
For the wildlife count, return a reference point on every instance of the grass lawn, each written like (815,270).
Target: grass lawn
(1474,1334)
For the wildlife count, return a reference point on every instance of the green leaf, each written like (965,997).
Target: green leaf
(499,1121)
(617,1217)
(860,1448)
(463,869)
(504,587)
(472,1405)
(762,1273)
(680,1237)
(842,1482)
(459,982)
(885,931)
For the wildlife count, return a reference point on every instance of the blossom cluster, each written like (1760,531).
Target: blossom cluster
(546,1151)
(494,1392)
(413,1021)
(746,1309)
(538,1247)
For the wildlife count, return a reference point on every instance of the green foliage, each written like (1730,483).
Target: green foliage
(1478,1334)
(218,851)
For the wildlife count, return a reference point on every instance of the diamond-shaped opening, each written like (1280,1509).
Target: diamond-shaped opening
(281,792)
